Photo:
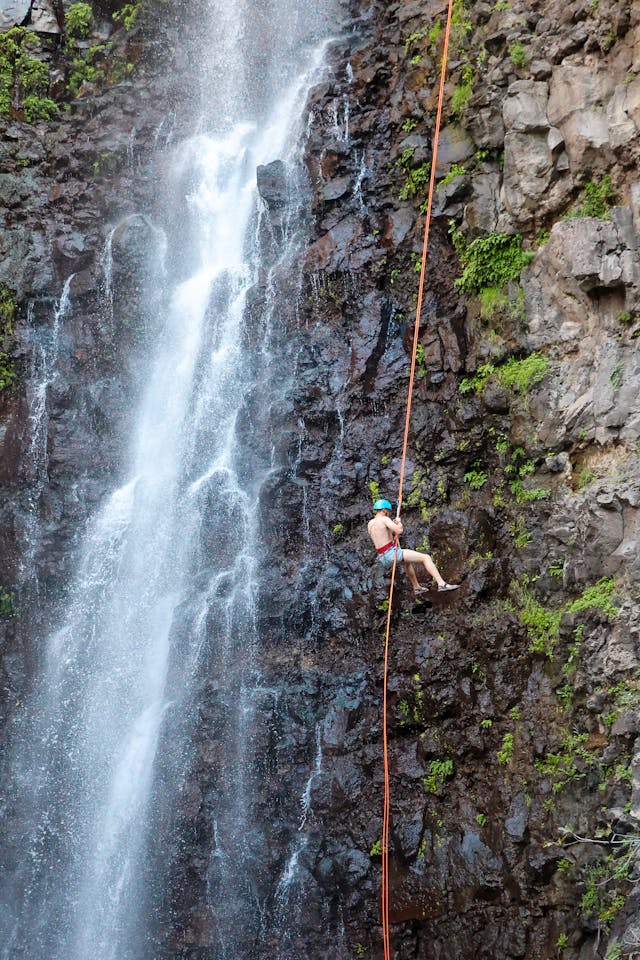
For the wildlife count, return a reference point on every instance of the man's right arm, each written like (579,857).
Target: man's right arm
(394,525)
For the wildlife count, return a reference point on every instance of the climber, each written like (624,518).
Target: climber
(380,528)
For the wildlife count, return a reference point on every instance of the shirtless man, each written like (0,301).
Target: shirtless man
(382,530)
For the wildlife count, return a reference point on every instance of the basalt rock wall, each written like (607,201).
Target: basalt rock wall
(515,703)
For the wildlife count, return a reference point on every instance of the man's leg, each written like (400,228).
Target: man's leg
(412,556)
(410,573)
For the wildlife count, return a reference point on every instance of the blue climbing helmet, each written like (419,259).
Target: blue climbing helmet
(382,505)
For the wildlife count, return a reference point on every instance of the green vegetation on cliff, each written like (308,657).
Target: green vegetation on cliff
(24,79)
(7,318)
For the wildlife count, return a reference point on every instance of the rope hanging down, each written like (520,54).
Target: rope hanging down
(416,333)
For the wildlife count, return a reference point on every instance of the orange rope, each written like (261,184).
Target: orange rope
(405,441)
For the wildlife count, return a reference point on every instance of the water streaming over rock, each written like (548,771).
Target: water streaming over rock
(162,606)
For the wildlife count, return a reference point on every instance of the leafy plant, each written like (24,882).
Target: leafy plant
(376,849)
(79,20)
(489,261)
(8,311)
(521,375)
(128,15)
(596,200)
(597,597)
(476,479)
(542,623)
(518,53)
(615,377)
(439,771)
(455,170)
(7,603)
(24,79)
(462,92)
(506,750)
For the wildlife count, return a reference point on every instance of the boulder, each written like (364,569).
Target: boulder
(13,13)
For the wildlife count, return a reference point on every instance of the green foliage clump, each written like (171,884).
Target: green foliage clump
(489,261)
(439,771)
(602,898)
(518,54)
(7,317)
(462,92)
(128,15)
(517,375)
(542,623)
(476,478)
(24,80)
(568,763)
(79,21)
(417,181)
(455,170)
(7,603)
(376,849)
(596,200)
(506,750)
(521,375)
(597,597)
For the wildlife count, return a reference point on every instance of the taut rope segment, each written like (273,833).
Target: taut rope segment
(416,333)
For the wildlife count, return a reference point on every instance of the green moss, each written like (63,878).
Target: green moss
(79,20)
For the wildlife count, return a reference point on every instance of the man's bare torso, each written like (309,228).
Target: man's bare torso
(382,529)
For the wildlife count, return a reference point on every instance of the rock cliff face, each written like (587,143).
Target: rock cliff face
(515,704)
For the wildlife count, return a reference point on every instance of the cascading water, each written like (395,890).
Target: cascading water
(162,604)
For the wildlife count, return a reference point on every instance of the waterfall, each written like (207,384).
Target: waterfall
(159,636)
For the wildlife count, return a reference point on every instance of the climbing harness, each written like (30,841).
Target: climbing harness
(416,332)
